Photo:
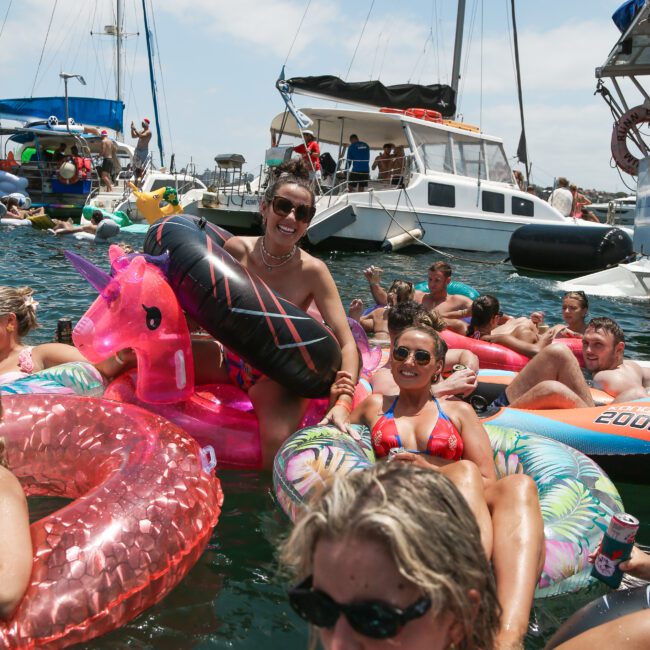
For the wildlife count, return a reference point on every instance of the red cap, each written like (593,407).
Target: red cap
(146,121)
(104,132)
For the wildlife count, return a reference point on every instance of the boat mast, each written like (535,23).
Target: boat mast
(119,36)
(522,149)
(152,78)
(458,48)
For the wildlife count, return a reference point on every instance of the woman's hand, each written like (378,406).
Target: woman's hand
(343,385)
(339,417)
(414,459)
(462,382)
(373,274)
(355,310)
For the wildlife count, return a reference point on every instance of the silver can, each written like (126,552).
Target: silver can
(623,528)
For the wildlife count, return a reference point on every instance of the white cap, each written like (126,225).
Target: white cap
(308,132)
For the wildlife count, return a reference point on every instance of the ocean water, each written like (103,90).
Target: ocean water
(234,596)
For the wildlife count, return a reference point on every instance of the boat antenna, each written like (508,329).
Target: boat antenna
(152,78)
(458,49)
(522,150)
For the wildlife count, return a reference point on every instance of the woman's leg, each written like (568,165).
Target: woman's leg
(518,556)
(466,477)
(279,413)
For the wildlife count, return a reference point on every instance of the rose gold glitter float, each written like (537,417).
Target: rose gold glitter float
(145,505)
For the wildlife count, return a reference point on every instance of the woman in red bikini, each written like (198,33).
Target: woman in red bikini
(447,436)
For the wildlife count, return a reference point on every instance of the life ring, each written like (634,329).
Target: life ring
(145,505)
(616,436)
(240,310)
(577,499)
(605,609)
(74,378)
(620,152)
(424,114)
(392,111)
(72,179)
(499,357)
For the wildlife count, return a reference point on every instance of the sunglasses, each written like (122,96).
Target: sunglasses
(402,353)
(374,618)
(283,207)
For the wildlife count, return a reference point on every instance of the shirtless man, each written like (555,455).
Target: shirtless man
(141,152)
(376,322)
(106,170)
(449,307)
(462,382)
(384,163)
(553,378)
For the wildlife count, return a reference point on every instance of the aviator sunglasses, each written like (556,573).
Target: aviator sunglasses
(283,207)
(373,618)
(402,353)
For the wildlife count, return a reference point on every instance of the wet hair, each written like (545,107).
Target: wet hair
(19,301)
(484,309)
(97,216)
(410,313)
(427,528)
(293,172)
(606,324)
(402,290)
(580,296)
(443,267)
(439,346)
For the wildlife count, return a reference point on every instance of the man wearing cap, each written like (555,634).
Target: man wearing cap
(106,170)
(141,152)
(310,152)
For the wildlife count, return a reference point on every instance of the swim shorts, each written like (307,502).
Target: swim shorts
(501,400)
(240,373)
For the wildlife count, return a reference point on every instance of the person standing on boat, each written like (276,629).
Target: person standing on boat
(561,198)
(310,152)
(106,169)
(141,153)
(384,162)
(358,164)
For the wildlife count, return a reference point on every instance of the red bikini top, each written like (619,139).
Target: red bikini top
(444,440)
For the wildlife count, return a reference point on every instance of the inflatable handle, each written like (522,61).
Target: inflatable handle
(208,458)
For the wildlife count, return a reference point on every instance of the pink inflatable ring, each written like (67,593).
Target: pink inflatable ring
(145,505)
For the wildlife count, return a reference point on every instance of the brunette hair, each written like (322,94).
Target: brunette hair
(433,539)
(439,345)
(606,324)
(408,314)
(484,309)
(443,267)
(293,172)
(402,290)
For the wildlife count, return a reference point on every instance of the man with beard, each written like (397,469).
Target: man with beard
(553,378)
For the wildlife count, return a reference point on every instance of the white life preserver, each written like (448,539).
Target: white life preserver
(622,156)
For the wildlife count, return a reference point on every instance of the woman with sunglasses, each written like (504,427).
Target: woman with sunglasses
(287,208)
(451,440)
(392,557)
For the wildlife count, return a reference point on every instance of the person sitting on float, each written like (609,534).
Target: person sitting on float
(463,381)
(553,379)
(374,572)
(93,228)
(518,334)
(376,322)
(451,307)
(452,440)
(17,360)
(287,208)
(11,204)
(16,554)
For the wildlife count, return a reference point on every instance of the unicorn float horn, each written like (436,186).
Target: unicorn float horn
(97,278)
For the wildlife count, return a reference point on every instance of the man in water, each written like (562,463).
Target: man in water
(358,161)
(448,306)
(553,378)
(106,170)
(561,198)
(141,153)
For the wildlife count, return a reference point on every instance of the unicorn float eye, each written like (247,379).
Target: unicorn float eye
(154,317)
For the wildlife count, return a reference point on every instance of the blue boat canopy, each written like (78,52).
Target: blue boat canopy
(108,113)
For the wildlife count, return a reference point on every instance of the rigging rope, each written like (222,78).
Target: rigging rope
(295,36)
(354,54)
(44,45)
(5,18)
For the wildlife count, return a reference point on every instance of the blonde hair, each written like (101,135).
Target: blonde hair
(427,528)
(19,301)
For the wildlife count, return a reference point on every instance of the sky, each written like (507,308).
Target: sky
(217,62)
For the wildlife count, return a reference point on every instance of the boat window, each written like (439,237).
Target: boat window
(493,202)
(497,163)
(434,148)
(522,207)
(467,156)
(183,185)
(441,194)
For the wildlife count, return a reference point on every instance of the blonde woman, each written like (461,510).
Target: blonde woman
(15,541)
(392,557)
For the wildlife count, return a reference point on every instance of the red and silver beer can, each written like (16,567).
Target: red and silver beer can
(623,528)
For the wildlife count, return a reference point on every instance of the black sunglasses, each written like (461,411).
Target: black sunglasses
(374,618)
(283,207)
(402,353)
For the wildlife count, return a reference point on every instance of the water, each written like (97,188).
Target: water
(234,596)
